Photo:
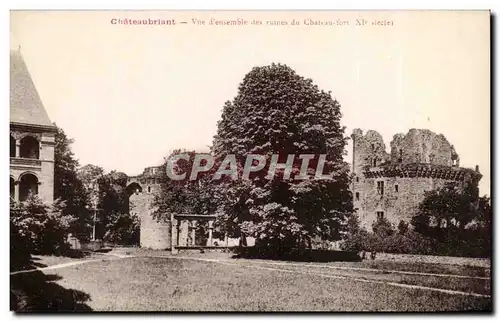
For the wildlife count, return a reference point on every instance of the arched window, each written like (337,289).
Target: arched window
(12,146)
(28,184)
(30,148)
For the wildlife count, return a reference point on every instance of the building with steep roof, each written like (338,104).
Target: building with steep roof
(32,137)
(392,185)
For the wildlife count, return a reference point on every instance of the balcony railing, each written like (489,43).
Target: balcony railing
(31,162)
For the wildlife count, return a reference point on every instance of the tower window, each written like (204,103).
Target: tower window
(380,215)
(374,162)
(400,159)
(396,188)
(373,146)
(357,179)
(357,196)
(149,189)
(380,188)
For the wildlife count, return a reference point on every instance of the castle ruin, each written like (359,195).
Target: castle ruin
(392,185)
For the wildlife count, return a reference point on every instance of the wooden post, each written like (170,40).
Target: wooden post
(210,230)
(193,233)
(174,233)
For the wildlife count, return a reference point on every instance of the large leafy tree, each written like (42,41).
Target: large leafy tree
(68,187)
(114,219)
(110,205)
(276,111)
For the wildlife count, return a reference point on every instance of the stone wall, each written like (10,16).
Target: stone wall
(46,190)
(397,203)
(153,234)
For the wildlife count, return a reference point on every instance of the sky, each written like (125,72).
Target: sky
(130,94)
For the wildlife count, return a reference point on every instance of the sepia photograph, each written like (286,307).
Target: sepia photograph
(250,161)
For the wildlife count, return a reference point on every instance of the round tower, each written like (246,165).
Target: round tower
(142,190)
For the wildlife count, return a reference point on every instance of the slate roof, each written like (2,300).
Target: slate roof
(25,104)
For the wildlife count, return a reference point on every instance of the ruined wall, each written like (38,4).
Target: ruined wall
(421,146)
(153,234)
(367,148)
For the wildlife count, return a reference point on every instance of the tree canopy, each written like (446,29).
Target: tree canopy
(276,111)
(184,196)
(68,187)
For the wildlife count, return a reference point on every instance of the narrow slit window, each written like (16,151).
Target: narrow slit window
(380,188)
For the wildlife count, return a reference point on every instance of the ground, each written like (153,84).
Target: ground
(138,280)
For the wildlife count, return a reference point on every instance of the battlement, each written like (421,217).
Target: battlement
(422,170)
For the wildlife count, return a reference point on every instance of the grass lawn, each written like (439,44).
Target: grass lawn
(166,284)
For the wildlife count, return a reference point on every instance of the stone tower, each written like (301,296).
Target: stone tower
(142,190)
(393,185)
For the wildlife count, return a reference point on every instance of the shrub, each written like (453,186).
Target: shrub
(123,229)
(38,228)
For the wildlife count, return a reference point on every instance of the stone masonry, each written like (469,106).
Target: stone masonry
(392,185)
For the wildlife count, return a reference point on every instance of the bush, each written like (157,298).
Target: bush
(385,239)
(20,249)
(123,229)
(37,228)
